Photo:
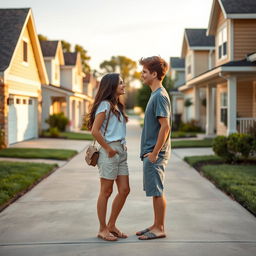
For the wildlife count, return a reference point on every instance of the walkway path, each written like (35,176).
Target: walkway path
(58,217)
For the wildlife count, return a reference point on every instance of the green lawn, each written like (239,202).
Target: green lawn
(44,153)
(175,135)
(71,135)
(194,160)
(77,136)
(192,143)
(238,181)
(16,178)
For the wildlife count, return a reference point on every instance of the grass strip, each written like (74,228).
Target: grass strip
(192,143)
(236,180)
(43,153)
(16,178)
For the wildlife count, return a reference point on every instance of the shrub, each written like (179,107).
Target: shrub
(239,143)
(2,139)
(54,132)
(191,126)
(220,148)
(85,124)
(234,147)
(57,120)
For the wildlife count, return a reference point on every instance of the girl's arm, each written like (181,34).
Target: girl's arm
(99,119)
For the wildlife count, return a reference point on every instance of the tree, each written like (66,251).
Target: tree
(144,92)
(143,96)
(123,65)
(84,57)
(42,37)
(66,46)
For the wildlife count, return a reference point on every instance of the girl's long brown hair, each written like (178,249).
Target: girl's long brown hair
(107,91)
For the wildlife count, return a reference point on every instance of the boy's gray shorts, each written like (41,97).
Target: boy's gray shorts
(153,176)
(110,168)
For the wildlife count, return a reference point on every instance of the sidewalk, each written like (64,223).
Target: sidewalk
(58,217)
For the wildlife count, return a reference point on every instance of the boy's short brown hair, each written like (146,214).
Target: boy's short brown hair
(155,64)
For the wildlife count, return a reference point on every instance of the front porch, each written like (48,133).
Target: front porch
(230,101)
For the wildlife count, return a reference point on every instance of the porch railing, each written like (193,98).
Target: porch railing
(244,125)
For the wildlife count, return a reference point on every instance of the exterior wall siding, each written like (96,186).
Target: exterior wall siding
(201,61)
(245,99)
(19,68)
(244,38)
(222,22)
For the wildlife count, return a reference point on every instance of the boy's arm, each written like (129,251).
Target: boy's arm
(161,139)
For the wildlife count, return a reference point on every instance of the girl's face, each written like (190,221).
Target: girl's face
(120,90)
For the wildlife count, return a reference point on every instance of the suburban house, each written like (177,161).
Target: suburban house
(90,86)
(64,93)
(177,74)
(22,73)
(198,52)
(231,81)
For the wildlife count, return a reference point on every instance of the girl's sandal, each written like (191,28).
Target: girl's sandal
(118,234)
(109,238)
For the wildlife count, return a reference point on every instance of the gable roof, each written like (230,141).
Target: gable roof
(176,62)
(49,48)
(70,58)
(11,25)
(197,37)
(231,9)
(238,6)
(13,22)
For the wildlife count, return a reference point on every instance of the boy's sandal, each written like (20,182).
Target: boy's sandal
(150,236)
(142,232)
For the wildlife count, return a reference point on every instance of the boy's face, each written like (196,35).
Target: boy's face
(147,77)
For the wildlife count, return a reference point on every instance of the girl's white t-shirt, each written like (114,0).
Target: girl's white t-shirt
(116,129)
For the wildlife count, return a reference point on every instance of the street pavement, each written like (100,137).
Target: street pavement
(58,217)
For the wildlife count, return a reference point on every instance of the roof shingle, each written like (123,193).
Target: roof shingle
(176,62)
(70,58)
(239,6)
(11,24)
(197,37)
(49,48)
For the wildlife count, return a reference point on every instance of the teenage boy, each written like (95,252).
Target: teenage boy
(155,143)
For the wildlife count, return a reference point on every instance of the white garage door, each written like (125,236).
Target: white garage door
(22,118)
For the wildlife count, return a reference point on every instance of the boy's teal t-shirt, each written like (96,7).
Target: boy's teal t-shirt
(159,105)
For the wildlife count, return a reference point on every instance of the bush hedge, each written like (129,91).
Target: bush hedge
(57,121)
(235,147)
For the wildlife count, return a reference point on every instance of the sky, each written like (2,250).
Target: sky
(105,28)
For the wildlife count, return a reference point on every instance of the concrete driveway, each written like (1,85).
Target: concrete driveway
(58,217)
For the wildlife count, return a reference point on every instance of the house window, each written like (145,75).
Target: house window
(25,51)
(24,101)
(188,61)
(17,101)
(56,72)
(30,102)
(10,101)
(222,43)
(223,108)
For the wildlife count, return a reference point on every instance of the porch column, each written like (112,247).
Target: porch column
(231,105)
(196,104)
(68,111)
(209,112)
